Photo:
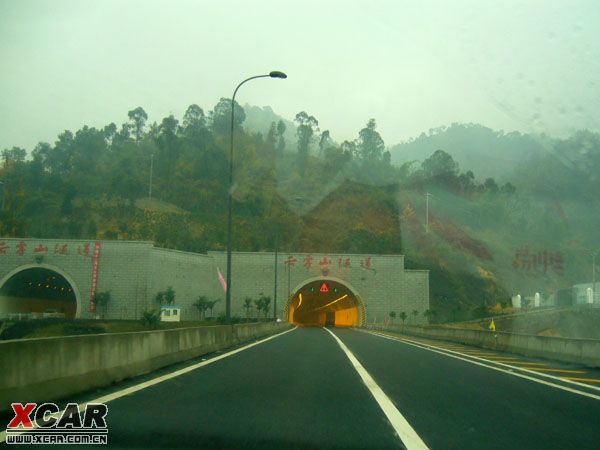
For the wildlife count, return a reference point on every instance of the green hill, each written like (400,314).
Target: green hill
(484,240)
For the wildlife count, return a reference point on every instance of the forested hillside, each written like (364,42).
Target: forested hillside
(296,186)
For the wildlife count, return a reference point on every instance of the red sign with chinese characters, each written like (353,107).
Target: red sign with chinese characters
(540,261)
(22,248)
(325,263)
(95,266)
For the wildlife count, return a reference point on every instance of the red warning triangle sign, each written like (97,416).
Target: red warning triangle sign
(324,288)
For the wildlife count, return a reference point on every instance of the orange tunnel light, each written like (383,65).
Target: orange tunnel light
(336,306)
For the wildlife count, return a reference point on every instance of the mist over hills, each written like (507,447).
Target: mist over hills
(259,119)
(487,152)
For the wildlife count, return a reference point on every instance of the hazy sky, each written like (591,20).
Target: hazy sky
(412,65)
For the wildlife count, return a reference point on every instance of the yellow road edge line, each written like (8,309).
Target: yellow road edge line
(506,360)
(553,370)
(527,363)
(589,380)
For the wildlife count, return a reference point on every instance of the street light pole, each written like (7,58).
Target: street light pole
(594,254)
(274,74)
(275,283)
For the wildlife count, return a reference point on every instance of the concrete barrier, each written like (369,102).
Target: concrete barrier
(578,351)
(46,369)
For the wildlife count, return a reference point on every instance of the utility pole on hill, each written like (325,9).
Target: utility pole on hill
(151,169)
(427,195)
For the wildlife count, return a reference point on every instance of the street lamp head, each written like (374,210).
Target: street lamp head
(277,74)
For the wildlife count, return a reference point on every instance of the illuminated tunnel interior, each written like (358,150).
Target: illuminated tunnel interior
(324,303)
(38,290)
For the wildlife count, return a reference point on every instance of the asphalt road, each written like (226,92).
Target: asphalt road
(301,390)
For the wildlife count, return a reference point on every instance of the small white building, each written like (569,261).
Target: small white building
(583,294)
(516,301)
(170,313)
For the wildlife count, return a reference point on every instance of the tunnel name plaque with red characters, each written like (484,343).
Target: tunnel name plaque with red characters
(23,248)
(325,264)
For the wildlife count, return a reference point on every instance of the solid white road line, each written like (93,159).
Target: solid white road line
(409,437)
(470,358)
(154,381)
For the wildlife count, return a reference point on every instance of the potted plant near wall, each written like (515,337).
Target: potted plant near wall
(102,299)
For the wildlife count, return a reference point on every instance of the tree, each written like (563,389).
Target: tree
(270,141)
(150,319)
(202,304)
(403,317)
(60,158)
(15,155)
(259,305)
(370,145)
(387,158)
(466,182)
(102,299)
(221,117)
(335,159)
(193,119)
(415,313)
(165,297)
(266,304)
(349,148)
(324,141)
(138,118)
(440,167)
(429,314)
(66,208)
(109,132)
(508,188)
(168,144)
(41,155)
(211,304)
(123,135)
(263,303)
(247,306)
(169,296)
(307,126)
(392,316)
(281,139)
(490,185)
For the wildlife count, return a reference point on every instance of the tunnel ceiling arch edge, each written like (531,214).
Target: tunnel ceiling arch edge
(52,268)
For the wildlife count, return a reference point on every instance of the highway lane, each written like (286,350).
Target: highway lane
(453,404)
(300,390)
(296,391)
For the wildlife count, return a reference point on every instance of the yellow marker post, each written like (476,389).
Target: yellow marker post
(492,326)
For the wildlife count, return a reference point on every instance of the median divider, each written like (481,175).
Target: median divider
(579,351)
(46,369)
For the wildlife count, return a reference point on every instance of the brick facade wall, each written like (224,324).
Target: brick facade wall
(134,272)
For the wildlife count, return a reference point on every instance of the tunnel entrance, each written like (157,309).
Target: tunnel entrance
(38,291)
(325,302)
